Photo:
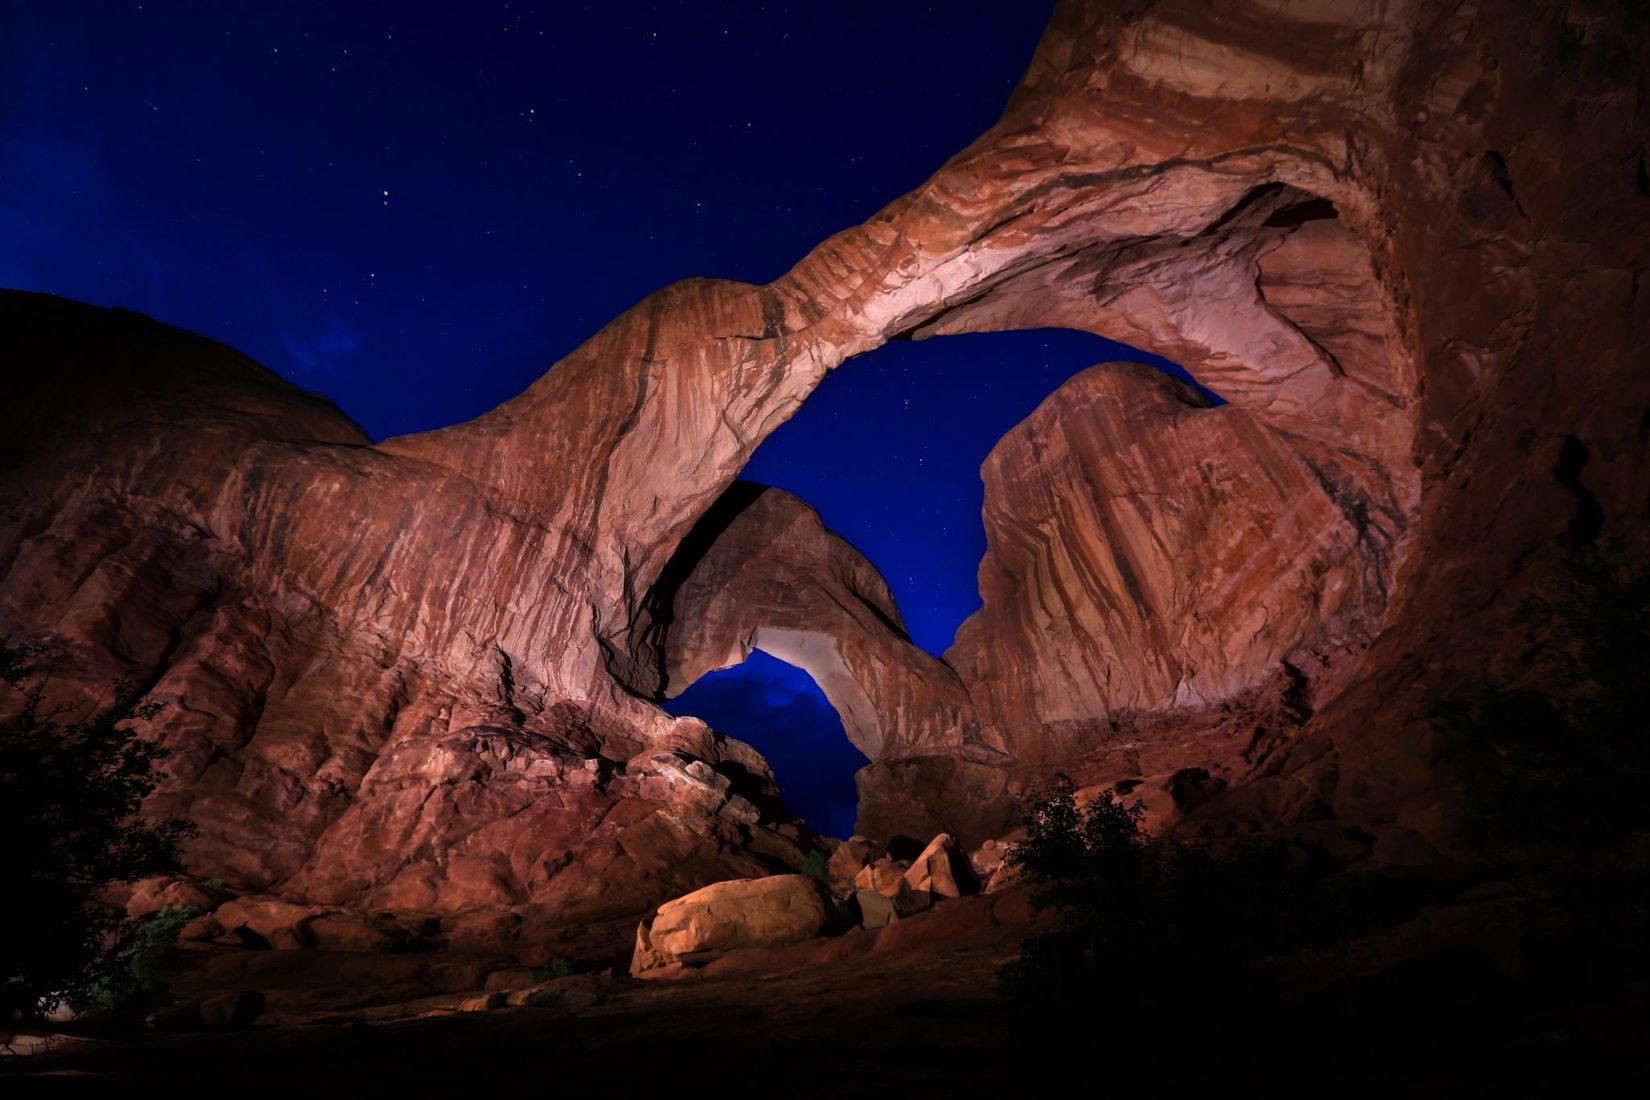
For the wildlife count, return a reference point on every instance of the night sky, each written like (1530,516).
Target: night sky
(415,209)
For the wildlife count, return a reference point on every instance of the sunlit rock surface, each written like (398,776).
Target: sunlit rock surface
(1403,240)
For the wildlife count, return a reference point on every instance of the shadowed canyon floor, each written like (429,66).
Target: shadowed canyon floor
(922,1017)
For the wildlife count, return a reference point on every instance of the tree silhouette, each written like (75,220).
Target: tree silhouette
(71,787)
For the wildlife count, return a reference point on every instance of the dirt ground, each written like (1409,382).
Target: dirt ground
(912,1014)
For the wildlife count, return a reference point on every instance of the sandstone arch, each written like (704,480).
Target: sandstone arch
(1308,464)
(417,674)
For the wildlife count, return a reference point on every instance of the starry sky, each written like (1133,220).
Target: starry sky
(415,208)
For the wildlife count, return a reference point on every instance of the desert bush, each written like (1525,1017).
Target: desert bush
(70,790)
(132,981)
(815,865)
(1143,928)
(560,967)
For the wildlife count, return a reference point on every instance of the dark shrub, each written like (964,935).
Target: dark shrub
(1557,763)
(1153,939)
(70,790)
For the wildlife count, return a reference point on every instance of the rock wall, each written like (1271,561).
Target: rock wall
(417,674)
(1149,552)
(772,578)
(305,608)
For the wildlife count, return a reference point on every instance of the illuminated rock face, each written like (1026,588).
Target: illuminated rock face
(1151,553)
(415,675)
(343,726)
(772,578)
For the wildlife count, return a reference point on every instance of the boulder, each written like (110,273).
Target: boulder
(985,859)
(875,910)
(1009,906)
(62,1013)
(1192,787)
(484,1002)
(647,959)
(570,994)
(352,932)
(268,921)
(151,895)
(726,916)
(208,927)
(1006,875)
(851,857)
(907,899)
(502,981)
(883,876)
(942,871)
(179,1016)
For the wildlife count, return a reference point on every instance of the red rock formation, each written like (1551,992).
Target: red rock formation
(772,578)
(1148,552)
(178,528)
(725,916)
(414,675)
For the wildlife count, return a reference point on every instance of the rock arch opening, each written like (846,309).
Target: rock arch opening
(846,615)
(1147,555)
(888,450)
(779,710)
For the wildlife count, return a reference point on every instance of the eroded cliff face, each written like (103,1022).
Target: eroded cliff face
(337,729)
(417,674)
(1150,553)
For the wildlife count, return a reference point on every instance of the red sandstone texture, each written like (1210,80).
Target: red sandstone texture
(772,578)
(1404,241)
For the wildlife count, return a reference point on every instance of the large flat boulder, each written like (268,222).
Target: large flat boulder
(725,916)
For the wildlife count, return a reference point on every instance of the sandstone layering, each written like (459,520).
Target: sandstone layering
(419,675)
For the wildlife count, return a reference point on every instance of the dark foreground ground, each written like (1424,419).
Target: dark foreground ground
(922,1020)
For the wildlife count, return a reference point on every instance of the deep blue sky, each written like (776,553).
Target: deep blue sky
(778,709)
(222,165)
(889,450)
(416,208)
